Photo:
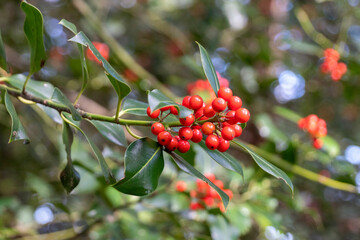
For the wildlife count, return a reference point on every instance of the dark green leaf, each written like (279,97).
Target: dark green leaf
(39,89)
(134,107)
(69,25)
(186,167)
(17,129)
(104,167)
(59,97)
(113,132)
(158,100)
(118,86)
(209,69)
(34,28)
(267,167)
(144,163)
(84,40)
(3,63)
(224,159)
(52,113)
(189,156)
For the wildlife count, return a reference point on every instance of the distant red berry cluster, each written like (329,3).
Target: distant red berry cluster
(205,196)
(316,127)
(224,114)
(332,65)
(103,50)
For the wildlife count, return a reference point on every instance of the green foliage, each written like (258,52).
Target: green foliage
(111,131)
(135,107)
(3,63)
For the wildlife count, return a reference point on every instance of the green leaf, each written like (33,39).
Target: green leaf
(124,89)
(331,146)
(158,100)
(38,89)
(104,167)
(69,177)
(120,91)
(134,107)
(144,163)
(3,63)
(186,167)
(51,112)
(111,131)
(224,159)
(84,69)
(59,97)
(17,129)
(34,28)
(266,166)
(287,114)
(209,69)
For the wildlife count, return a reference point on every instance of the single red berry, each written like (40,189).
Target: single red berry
(196,127)
(230,115)
(186,101)
(228,133)
(174,111)
(224,124)
(225,93)
(177,138)
(172,146)
(199,113)
(208,128)
(223,145)
(157,128)
(163,109)
(317,143)
(197,136)
(212,142)
(238,130)
(209,111)
(164,138)
(188,120)
(154,114)
(219,104)
(196,102)
(234,103)
(242,115)
(181,186)
(183,146)
(185,133)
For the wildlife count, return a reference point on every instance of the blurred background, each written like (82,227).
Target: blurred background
(270,51)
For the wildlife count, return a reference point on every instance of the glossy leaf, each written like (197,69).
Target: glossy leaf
(111,131)
(52,113)
(186,167)
(224,159)
(121,86)
(17,129)
(134,107)
(69,177)
(59,97)
(209,69)
(144,163)
(3,63)
(104,167)
(39,89)
(158,100)
(34,29)
(268,167)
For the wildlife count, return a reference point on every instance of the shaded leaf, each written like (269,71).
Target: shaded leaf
(134,107)
(144,163)
(158,100)
(17,129)
(186,167)
(209,69)
(52,113)
(38,89)
(3,63)
(34,29)
(111,131)
(119,89)
(59,97)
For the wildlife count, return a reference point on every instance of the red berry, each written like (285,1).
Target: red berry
(225,93)
(174,111)
(228,133)
(197,136)
(223,145)
(196,127)
(231,117)
(234,103)
(242,115)
(317,143)
(219,104)
(186,101)
(164,138)
(157,128)
(212,142)
(208,128)
(154,114)
(102,48)
(172,146)
(177,138)
(181,186)
(163,109)
(183,146)
(188,120)
(209,111)
(238,130)
(185,133)
(199,113)
(196,102)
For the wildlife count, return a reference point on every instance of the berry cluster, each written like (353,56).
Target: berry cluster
(205,196)
(103,50)
(332,65)
(218,121)
(316,127)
